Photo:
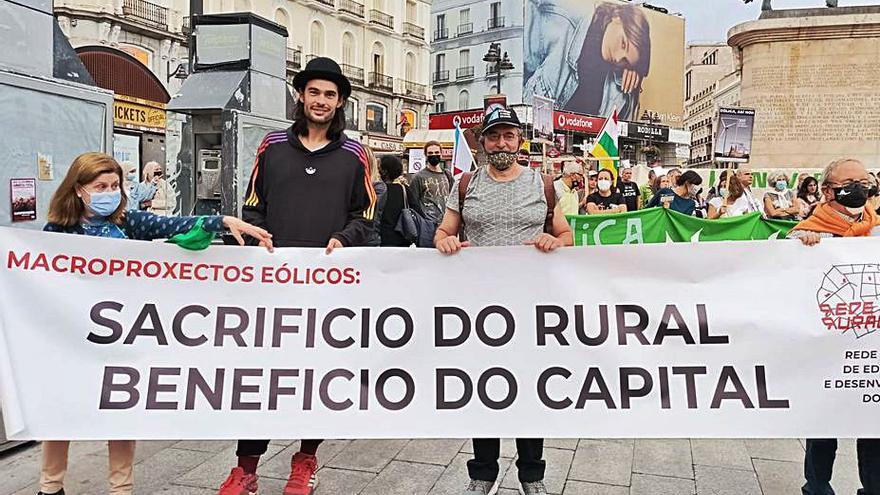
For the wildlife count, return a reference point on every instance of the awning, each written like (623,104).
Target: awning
(417,138)
(213,90)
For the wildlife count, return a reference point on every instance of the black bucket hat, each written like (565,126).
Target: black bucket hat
(323,68)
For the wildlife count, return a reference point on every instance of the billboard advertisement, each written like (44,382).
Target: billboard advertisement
(592,56)
(733,143)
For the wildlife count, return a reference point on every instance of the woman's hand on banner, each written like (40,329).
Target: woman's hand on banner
(451,245)
(545,243)
(237,227)
(333,244)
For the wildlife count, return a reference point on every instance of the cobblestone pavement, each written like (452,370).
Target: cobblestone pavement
(437,467)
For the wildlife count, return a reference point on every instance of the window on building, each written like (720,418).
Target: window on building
(282,18)
(317,39)
(378,60)
(439,103)
(348,49)
(495,10)
(412,13)
(687,85)
(410,67)
(464,100)
(441,62)
(441,23)
(376,118)
(464,16)
(351,114)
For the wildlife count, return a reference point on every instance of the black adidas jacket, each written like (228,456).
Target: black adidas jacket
(304,198)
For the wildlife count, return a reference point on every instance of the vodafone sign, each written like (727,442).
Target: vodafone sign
(448,120)
(580,123)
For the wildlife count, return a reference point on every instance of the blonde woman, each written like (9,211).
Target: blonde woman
(165,200)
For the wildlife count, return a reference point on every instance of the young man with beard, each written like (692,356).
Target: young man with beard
(310,187)
(503,205)
(430,186)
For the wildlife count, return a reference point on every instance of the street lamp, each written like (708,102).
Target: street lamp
(493,56)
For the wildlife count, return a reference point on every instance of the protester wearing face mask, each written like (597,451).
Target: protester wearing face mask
(137,192)
(430,187)
(566,188)
(89,201)
(606,199)
(780,203)
(503,204)
(716,197)
(681,197)
(845,186)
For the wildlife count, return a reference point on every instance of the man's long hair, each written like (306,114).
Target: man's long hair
(301,122)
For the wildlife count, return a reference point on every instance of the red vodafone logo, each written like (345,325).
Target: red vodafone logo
(575,122)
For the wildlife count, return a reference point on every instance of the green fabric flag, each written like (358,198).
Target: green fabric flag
(197,239)
(657,225)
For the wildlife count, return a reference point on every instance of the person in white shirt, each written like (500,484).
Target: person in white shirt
(747,202)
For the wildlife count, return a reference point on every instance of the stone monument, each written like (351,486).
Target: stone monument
(812,77)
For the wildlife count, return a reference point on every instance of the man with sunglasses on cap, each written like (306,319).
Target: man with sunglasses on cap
(310,187)
(503,204)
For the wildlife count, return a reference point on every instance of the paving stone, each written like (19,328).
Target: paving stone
(670,457)
(455,476)
(721,453)
(212,472)
(338,481)
(367,455)
(556,471)
(146,449)
(435,451)
(151,474)
(404,478)
(561,443)
(788,449)
(581,488)
(721,481)
(647,484)
(20,469)
(278,466)
(179,490)
(205,445)
(600,461)
(780,476)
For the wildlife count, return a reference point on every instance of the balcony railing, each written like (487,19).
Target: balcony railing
(441,34)
(381,81)
(411,29)
(381,18)
(186,26)
(441,76)
(415,89)
(146,13)
(495,23)
(294,58)
(351,7)
(465,29)
(354,74)
(464,73)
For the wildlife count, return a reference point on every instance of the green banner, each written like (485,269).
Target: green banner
(656,225)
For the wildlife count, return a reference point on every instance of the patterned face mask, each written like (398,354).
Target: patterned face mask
(501,160)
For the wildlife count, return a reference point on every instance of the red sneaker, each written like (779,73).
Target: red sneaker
(239,483)
(302,479)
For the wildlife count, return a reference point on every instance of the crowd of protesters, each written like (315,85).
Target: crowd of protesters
(368,202)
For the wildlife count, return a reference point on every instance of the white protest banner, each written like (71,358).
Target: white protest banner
(122,339)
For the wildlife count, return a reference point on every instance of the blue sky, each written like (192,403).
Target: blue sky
(709,20)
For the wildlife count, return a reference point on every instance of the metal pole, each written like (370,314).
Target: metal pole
(196,8)
(498,68)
